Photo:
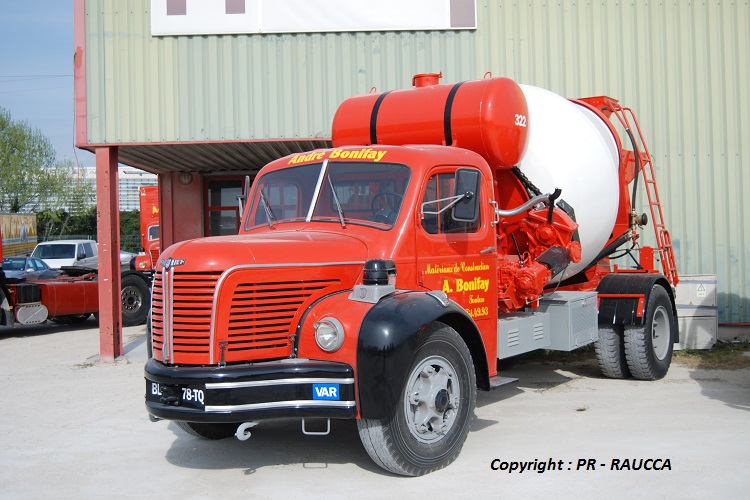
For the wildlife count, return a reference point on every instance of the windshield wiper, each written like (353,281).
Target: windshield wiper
(336,199)
(267,208)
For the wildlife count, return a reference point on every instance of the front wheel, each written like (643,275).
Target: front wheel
(430,423)
(648,347)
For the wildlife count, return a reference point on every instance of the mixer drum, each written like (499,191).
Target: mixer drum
(571,148)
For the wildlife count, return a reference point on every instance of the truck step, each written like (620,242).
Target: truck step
(498,381)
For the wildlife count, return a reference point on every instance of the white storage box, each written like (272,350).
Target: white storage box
(697,311)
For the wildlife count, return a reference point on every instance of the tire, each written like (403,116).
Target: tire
(410,442)
(135,300)
(648,347)
(610,352)
(208,431)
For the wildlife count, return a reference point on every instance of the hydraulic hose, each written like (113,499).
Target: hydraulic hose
(637,167)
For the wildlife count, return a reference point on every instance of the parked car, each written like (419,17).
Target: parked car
(29,268)
(65,252)
(93,262)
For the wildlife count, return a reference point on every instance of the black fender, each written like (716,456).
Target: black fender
(388,338)
(623,297)
(147,277)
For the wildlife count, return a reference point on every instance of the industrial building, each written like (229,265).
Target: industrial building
(205,92)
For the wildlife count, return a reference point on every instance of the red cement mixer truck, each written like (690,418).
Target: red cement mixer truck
(382,280)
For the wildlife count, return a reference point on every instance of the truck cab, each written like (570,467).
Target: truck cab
(344,256)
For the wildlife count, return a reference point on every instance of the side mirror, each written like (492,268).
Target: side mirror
(467,188)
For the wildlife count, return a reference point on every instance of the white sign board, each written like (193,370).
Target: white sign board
(214,17)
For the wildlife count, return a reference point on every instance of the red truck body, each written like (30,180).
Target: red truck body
(73,296)
(149,213)
(382,279)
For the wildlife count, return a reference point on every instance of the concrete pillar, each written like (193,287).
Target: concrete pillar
(108,236)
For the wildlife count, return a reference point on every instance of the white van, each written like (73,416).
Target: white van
(64,252)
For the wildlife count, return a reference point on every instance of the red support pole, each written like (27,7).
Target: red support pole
(108,235)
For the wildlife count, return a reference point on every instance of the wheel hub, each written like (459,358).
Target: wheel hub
(660,333)
(131,299)
(431,399)
(441,401)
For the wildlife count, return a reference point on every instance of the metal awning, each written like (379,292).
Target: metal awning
(209,157)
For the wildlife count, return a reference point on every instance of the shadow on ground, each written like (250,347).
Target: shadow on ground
(731,387)
(47,328)
(274,443)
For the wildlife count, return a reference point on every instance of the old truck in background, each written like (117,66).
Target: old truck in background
(448,228)
(72,294)
(150,244)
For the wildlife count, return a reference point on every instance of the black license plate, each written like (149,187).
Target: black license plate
(176,395)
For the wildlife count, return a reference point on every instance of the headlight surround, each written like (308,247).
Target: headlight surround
(329,334)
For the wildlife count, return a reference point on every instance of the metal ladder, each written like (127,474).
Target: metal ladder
(663,239)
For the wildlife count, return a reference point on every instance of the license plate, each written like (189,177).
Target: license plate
(191,397)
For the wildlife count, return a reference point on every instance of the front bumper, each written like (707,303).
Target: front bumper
(299,388)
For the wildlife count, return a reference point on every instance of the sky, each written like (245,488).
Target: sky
(36,70)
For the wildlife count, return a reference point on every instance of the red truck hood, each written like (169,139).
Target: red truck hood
(220,253)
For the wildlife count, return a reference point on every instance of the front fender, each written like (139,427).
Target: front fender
(387,340)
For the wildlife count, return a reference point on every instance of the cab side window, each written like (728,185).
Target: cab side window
(439,187)
(88,250)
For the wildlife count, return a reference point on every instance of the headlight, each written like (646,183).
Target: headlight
(329,334)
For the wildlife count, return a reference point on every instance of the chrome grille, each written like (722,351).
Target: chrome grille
(261,315)
(191,304)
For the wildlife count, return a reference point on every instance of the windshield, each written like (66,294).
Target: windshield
(55,251)
(365,193)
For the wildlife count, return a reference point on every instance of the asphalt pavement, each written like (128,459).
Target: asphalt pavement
(74,427)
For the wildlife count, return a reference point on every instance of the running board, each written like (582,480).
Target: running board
(498,381)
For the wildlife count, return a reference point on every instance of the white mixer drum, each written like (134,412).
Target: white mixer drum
(571,148)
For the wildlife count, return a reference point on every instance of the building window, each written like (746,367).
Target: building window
(176,7)
(221,206)
(235,6)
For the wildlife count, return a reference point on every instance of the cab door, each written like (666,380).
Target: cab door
(458,257)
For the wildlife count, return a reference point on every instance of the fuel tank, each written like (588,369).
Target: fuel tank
(487,116)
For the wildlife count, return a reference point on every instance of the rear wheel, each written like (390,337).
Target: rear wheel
(430,423)
(648,347)
(208,431)
(135,300)
(610,352)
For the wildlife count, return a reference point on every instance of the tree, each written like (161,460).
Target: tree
(130,230)
(30,177)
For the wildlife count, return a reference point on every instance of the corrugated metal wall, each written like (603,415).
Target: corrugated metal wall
(683,67)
